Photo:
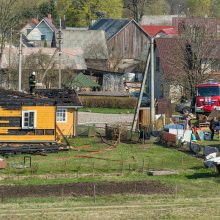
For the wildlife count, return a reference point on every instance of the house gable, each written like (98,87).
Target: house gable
(43,31)
(131,42)
(125,38)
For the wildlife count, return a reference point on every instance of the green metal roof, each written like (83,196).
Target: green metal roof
(82,81)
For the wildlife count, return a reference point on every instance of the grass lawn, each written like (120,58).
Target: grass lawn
(197,193)
(108,110)
(113,207)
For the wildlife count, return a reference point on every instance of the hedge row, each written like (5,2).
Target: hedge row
(108,102)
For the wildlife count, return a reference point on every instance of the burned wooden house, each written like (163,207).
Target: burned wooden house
(44,117)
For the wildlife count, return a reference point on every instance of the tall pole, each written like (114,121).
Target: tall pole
(9,58)
(20,63)
(152,104)
(60,52)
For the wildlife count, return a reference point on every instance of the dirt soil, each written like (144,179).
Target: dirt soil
(85,189)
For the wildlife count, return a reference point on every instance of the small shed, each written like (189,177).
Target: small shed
(81,81)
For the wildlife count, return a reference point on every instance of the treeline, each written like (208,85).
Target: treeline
(82,12)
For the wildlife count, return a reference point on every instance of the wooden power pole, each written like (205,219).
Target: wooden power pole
(59,38)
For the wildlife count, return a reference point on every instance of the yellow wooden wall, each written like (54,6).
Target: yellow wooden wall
(10,113)
(45,116)
(67,128)
(45,120)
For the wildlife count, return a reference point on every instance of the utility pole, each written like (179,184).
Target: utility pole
(59,38)
(9,58)
(20,64)
(152,103)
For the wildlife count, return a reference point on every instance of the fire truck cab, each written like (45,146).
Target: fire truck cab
(207,97)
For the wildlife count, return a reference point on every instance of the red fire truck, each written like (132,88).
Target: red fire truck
(207,97)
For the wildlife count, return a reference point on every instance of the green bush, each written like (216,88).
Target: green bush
(108,102)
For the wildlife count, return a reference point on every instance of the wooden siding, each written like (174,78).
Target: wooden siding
(45,116)
(130,43)
(144,117)
(27,138)
(10,113)
(67,128)
(113,82)
(11,129)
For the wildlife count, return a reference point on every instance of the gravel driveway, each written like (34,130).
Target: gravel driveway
(98,118)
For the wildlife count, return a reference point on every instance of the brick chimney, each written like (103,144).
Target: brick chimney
(49,16)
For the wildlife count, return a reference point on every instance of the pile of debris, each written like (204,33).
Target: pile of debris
(34,148)
(181,134)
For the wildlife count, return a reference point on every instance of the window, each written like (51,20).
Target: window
(61,115)
(43,37)
(28,119)
(208,91)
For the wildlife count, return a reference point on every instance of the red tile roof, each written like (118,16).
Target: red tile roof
(169,31)
(153,30)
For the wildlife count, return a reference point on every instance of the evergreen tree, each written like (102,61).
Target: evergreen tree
(48,7)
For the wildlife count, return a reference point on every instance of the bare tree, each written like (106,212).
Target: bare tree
(10,15)
(137,7)
(177,6)
(191,57)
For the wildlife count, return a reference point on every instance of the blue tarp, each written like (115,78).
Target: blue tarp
(174,126)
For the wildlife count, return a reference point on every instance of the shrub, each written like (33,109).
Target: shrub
(108,102)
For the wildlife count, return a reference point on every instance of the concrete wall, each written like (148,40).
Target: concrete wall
(157,19)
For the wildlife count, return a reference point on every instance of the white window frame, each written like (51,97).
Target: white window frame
(64,120)
(23,119)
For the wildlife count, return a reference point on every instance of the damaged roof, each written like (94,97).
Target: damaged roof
(57,97)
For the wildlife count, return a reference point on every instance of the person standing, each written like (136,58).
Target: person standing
(32,82)
(212,127)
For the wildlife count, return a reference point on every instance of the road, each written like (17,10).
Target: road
(98,118)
